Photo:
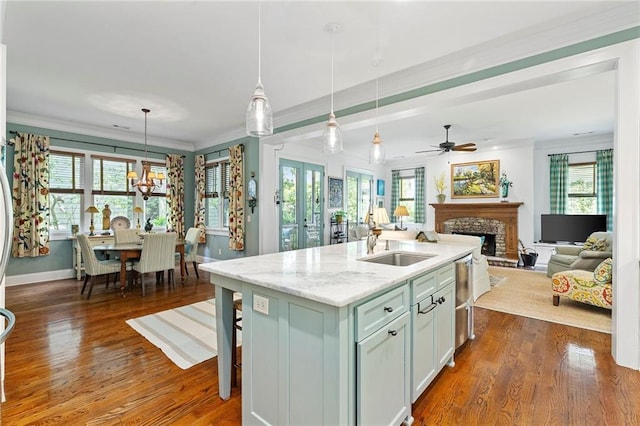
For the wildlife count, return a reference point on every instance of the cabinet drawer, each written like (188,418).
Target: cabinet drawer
(446,275)
(372,315)
(94,241)
(423,286)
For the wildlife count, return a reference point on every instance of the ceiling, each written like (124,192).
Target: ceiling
(94,65)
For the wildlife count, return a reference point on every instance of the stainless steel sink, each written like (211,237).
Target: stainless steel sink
(401,258)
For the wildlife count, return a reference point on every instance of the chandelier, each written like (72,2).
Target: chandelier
(148,181)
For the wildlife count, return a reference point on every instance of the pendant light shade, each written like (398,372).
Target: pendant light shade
(332,138)
(259,119)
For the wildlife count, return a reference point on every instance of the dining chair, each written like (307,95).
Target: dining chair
(157,255)
(191,241)
(94,267)
(126,236)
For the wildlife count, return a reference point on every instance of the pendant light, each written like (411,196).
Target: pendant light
(332,138)
(259,119)
(376,150)
(148,181)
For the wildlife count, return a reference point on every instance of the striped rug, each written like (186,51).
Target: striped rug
(187,335)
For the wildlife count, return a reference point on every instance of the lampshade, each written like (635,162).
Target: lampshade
(259,118)
(92,209)
(138,209)
(401,211)
(380,216)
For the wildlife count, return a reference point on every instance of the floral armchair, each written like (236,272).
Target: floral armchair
(594,288)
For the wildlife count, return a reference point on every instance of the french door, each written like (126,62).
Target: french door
(301,206)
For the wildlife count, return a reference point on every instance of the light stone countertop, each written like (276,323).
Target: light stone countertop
(332,274)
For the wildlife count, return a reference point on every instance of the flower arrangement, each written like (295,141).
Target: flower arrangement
(441,183)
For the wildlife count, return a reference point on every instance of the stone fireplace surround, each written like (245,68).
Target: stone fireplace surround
(499,219)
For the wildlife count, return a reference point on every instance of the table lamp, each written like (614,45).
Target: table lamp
(139,211)
(380,217)
(92,210)
(400,212)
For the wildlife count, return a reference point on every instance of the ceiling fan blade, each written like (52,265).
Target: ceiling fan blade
(428,150)
(465,145)
(464,148)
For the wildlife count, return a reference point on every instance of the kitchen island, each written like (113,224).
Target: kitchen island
(327,336)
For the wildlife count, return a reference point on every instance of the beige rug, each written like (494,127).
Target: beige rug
(528,293)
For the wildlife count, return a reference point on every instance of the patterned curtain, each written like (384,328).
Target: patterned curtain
(604,184)
(175,193)
(558,176)
(418,215)
(199,219)
(395,189)
(236,198)
(30,196)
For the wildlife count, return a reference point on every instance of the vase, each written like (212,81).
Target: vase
(441,198)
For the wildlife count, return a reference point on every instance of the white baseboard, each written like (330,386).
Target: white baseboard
(39,277)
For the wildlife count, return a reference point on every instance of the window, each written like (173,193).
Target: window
(66,190)
(582,189)
(111,187)
(408,197)
(156,206)
(217,194)
(358,189)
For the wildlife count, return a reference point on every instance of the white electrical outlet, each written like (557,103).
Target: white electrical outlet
(261,304)
(219,251)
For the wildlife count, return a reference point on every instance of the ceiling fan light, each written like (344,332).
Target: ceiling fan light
(332,138)
(376,150)
(259,118)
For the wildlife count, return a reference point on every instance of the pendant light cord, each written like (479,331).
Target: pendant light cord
(377,61)
(259,42)
(333,35)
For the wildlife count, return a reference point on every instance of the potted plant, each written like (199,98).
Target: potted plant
(441,185)
(338,215)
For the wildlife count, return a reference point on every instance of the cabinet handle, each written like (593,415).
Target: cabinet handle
(429,308)
(388,309)
(393,332)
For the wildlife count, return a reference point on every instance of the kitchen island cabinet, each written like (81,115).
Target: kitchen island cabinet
(325,335)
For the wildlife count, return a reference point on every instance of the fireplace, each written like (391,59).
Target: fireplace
(488,242)
(498,219)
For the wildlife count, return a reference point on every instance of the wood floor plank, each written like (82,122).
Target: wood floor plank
(73,361)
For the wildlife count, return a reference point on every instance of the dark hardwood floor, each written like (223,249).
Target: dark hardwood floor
(70,361)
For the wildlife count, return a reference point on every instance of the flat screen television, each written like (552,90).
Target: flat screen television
(570,228)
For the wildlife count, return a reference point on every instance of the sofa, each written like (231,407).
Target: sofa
(480,272)
(591,287)
(597,248)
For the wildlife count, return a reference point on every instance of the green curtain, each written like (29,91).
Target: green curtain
(30,196)
(604,184)
(558,180)
(395,189)
(175,193)
(199,219)
(418,216)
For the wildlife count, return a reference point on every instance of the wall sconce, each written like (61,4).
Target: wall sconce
(138,210)
(92,210)
(252,192)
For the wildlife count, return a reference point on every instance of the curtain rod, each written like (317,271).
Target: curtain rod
(219,151)
(402,170)
(13,132)
(580,152)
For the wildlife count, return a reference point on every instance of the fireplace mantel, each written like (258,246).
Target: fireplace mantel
(504,212)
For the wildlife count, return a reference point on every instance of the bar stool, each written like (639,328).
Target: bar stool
(235,365)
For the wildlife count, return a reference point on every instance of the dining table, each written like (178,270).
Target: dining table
(132,251)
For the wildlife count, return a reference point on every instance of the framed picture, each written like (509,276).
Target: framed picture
(380,187)
(380,202)
(478,179)
(335,193)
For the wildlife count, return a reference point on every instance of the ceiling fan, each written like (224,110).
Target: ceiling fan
(447,146)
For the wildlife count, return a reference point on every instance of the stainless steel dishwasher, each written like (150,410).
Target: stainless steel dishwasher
(464,300)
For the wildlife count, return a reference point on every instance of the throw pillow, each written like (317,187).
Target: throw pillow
(595,244)
(604,272)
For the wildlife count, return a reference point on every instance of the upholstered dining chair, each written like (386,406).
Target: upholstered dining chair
(157,255)
(94,267)
(126,236)
(191,241)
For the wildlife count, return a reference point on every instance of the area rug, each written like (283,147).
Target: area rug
(187,335)
(528,293)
